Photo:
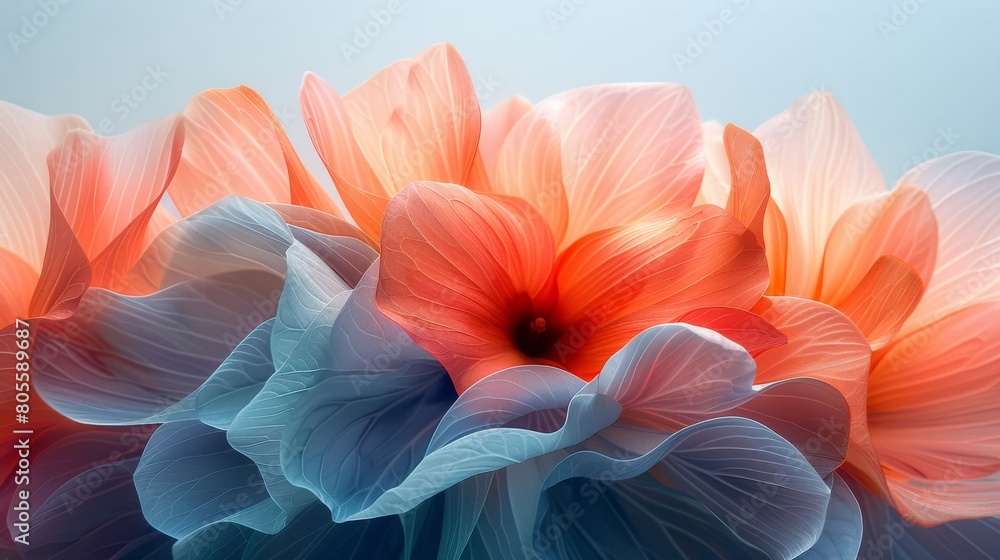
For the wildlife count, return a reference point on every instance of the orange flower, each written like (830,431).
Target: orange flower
(925,419)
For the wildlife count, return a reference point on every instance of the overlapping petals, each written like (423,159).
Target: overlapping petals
(587,327)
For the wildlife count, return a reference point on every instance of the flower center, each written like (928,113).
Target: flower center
(534,336)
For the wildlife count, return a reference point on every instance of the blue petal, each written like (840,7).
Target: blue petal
(350,440)
(841,538)
(631,519)
(310,536)
(189,477)
(312,299)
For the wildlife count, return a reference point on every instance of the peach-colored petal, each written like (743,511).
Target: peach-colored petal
(629,152)
(750,191)
(776,248)
(65,274)
(883,300)
(715,189)
(824,344)
(618,282)
(26,138)
(18,284)
(497,124)
(716,182)
(331,132)
(108,189)
(963,191)
(416,120)
(933,409)
(531,167)
(899,223)
(459,270)
(818,168)
(236,145)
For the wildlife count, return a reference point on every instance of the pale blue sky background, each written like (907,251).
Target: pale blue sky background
(918,77)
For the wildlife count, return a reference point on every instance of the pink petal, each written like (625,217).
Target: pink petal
(628,151)
(962,188)
(497,124)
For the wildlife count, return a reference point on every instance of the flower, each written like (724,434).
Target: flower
(588,239)
(910,268)
(538,309)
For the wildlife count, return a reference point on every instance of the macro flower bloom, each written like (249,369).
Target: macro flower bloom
(587,327)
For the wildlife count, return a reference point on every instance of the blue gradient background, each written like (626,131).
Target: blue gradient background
(916,84)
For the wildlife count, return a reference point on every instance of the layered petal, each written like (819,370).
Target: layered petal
(236,145)
(932,412)
(26,138)
(615,283)
(818,168)
(628,152)
(109,188)
(496,126)
(962,189)
(824,344)
(458,272)
(416,120)
(898,223)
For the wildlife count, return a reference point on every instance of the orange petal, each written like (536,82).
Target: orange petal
(776,247)
(26,138)
(747,329)
(883,300)
(105,184)
(629,152)
(416,120)
(824,344)
(751,191)
(963,191)
(459,270)
(531,167)
(235,145)
(623,280)
(65,274)
(18,284)
(497,124)
(716,182)
(818,167)
(899,223)
(933,404)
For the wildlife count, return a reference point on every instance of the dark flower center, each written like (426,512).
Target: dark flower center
(535,336)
